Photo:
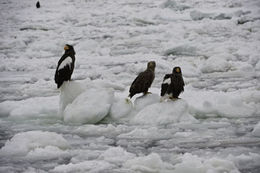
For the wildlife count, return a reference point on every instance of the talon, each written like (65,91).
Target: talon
(128,101)
(173,98)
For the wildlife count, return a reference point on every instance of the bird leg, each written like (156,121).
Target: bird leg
(173,98)
(128,101)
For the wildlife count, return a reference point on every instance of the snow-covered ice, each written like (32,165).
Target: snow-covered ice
(164,113)
(90,106)
(22,144)
(89,125)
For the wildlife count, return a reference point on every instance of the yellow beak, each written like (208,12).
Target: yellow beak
(66,47)
(177,70)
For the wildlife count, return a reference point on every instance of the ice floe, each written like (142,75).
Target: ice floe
(33,143)
(164,113)
(90,107)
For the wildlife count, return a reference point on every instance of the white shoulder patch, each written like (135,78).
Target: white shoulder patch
(168,81)
(67,61)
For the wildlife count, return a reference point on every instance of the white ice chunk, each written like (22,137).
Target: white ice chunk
(68,92)
(86,166)
(182,50)
(47,153)
(224,104)
(197,15)
(256,131)
(245,161)
(164,113)
(90,130)
(23,143)
(150,163)
(215,64)
(257,66)
(30,108)
(89,107)
(116,155)
(195,164)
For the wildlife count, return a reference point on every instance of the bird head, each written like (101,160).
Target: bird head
(151,65)
(69,49)
(176,70)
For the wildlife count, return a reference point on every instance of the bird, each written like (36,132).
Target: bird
(38,4)
(143,81)
(65,66)
(173,84)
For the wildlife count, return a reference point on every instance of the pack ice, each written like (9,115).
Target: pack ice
(89,126)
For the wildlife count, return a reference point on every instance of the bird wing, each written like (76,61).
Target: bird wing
(64,69)
(142,82)
(166,83)
(138,79)
(66,62)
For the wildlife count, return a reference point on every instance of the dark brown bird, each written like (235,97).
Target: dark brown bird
(65,66)
(38,4)
(173,84)
(143,81)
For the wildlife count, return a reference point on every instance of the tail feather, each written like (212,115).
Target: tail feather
(59,84)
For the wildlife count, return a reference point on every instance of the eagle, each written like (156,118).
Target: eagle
(143,81)
(38,4)
(173,84)
(65,66)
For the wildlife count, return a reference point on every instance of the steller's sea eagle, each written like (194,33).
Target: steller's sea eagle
(143,81)
(173,84)
(65,66)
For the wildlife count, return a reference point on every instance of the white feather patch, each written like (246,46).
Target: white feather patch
(67,61)
(168,81)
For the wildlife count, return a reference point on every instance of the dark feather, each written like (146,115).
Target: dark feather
(176,85)
(164,86)
(143,81)
(38,4)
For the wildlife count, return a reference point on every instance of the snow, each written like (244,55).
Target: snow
(89,124)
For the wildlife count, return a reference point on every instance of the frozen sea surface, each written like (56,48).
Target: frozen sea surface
(214,127)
